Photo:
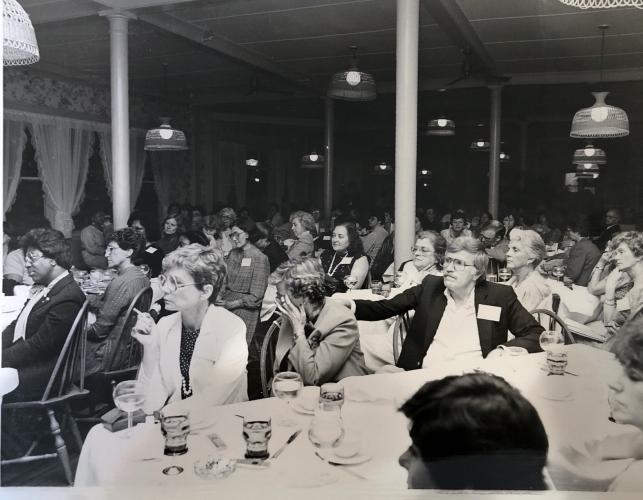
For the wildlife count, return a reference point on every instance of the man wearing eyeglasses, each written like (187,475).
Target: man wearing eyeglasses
(459,316)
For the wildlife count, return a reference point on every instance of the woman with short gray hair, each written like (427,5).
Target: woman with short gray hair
(525,253)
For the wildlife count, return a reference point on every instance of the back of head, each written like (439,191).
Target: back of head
(475,431)
(496,226)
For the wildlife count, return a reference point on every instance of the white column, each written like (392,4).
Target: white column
(330,151)
(494,150)
(120,115)
(408,14)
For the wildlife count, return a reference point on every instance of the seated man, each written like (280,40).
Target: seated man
(33,341)
(473,431)
(92,240)
(458,316)
(373,241)
(492,237)
(583,256)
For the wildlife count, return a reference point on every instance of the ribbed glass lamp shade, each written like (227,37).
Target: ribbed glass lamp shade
(252,162)
(587,167)
(480,145)
(165,138)
(313,160)
(352,85)
(382,168)
(587,175)
(603,4)
(601,121)
(19,45)
(589,155)
(441,127)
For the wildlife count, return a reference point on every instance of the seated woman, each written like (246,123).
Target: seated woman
(345,259)
(169,235)
(248,271)
(123,247)
(34,340)
(303,225)
(526,251)
(200,352)
(318,336)
(262,237)
(428,254)
(473,432)
(151,256)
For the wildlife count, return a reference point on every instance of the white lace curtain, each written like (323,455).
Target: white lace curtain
(136,159)
(62,154)
(14,144)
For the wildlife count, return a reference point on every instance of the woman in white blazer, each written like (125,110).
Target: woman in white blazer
(199,354)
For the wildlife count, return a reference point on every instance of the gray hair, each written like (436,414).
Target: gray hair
(534,245)
(306,219)
(475,248)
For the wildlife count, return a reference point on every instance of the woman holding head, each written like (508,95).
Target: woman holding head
(303,226)
(346,257)
(318,336)
(525,253)
(169,234)
(200,352)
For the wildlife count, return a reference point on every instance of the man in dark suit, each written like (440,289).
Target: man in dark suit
(458,316)
(32,343)
(612,218)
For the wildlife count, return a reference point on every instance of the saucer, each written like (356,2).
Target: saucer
(359,458)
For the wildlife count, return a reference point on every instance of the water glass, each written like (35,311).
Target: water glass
(492,277)
(326,427)
(256,433)
(175,426)
(558,272)
(386,290)
(376,287)
(286,386)
(549,338)
(332,394)
(556,359)
(504,274)
(350,282)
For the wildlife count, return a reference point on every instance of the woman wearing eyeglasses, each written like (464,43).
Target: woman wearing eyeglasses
(428,254)
(200,352)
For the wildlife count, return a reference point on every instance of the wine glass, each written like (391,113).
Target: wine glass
(286,386)
(558,272)
(326,427)
(129,397)
(504,274)
(350,281)
(550,338)
(145,269)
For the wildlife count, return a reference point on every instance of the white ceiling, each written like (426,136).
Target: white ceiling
(214,48)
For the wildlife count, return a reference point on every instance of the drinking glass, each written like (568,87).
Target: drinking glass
(286,386)
(145,269)
(350,281)
(326,427)
(504,274)
(558,272)
(129,397)
(492,277)
(332,394)
(257,431)
(376,287)
(551,337)
(553,342)
(398,280)
(175,426)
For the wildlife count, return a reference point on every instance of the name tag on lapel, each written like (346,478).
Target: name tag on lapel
(151,250)
(491,313)
(246,262)
(346,260)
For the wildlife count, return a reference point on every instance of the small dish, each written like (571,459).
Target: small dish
(359,458)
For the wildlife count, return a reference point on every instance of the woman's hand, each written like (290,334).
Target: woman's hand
(144,332)
(295,314)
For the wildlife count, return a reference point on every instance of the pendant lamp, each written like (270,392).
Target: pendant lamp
(19,45)
(313,160)
(589,155)
(352,84)
(441,127)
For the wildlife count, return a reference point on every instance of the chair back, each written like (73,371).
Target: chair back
(551,321)
(401,328)
(267,359)
(70,365)
(126,353)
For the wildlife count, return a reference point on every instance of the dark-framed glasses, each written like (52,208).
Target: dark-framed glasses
(170,285)
(458,264)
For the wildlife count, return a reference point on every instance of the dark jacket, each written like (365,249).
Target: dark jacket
(583,256)
(607,234)
(429,303)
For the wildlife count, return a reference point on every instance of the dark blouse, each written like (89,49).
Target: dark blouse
(168,243)
(335,270)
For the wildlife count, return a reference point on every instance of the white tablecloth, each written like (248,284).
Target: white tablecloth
(370,410)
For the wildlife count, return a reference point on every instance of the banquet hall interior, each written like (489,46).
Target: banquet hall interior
(337,108)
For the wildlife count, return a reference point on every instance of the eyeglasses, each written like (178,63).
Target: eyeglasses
(458,265)
(421,249)
(170,285)
(32,259)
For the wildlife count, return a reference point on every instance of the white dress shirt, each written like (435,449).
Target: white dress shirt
(457,335)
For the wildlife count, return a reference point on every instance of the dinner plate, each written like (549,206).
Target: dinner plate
(360,458)
(297,406)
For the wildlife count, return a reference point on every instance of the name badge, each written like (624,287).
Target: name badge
(246,262)
(326,238)
(491,313)
(346,260)
(151,250)
(623,304)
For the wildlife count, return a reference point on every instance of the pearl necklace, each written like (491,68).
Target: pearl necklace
(331,271)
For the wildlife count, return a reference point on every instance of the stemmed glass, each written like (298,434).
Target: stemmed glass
(145,269)
(350,281)
(504,274)
(558,272)
(286,386)
(129,397)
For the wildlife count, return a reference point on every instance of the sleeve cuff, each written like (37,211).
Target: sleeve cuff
(353,306)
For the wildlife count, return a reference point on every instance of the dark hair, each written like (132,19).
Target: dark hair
(128,239)
(195,237)
(479,421)
(51,243)
(136,216)
(497,227)
(628,347)
(264,229)
(459,214)
(355,246)
(378,214)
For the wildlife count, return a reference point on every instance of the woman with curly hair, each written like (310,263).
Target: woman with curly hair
(318,337)
(346,257)
(303,226)
(428,254)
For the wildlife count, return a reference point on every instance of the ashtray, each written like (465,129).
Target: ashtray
(214,467)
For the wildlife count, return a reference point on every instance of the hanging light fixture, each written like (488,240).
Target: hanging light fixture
(480,145)
(19,44)
(353,84)
(382,168)
(164,137)
(504,157)
(441,127)
(252,160)
(313,160)
(600,120)
(589,155)
(602,4)
(587,167)
(424,173)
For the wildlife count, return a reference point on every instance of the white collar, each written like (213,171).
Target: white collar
(468,303)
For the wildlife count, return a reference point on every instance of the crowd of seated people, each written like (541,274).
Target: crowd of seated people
(224,278)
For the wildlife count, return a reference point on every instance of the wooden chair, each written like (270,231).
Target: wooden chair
(123,362)
(551,321)
(267,359)
(401,328)
(67,383)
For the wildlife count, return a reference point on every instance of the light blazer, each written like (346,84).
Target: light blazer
(218,366)
(429,303)
(330,353)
